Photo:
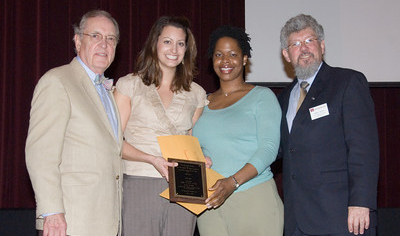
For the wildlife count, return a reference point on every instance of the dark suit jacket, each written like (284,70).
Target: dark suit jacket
(332,162)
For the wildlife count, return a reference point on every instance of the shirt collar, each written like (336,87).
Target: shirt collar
(90,73)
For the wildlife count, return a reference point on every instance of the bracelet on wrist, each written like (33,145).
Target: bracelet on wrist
(236,183)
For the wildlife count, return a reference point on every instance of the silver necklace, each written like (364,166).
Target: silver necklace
(235,90)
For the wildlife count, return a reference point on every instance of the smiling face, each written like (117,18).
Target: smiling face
(97,56)
(308,56)
(171,47)
(228,59)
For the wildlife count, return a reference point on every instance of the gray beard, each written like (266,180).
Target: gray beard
(308,71)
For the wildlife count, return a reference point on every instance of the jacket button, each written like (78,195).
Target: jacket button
(117,177)
(293,176)
(292,150)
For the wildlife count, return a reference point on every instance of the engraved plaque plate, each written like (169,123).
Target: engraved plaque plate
(187,181)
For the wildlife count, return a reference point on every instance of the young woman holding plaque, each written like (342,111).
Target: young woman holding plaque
(159,98)
(240,131)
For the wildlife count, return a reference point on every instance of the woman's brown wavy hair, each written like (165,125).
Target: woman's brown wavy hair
(147,64)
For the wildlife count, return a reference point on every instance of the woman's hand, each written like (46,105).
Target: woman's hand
(162,165)
(223,189)
(208,162)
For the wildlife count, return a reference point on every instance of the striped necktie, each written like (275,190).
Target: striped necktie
(303,93)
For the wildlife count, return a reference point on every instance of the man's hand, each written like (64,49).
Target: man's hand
(55,225)
(358,219)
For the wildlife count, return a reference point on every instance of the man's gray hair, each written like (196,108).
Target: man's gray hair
(297,24)
(78,29)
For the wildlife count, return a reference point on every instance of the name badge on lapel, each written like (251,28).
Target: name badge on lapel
(319,111)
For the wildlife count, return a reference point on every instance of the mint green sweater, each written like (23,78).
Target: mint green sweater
(245,132)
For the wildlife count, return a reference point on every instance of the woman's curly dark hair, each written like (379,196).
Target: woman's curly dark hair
(236,33)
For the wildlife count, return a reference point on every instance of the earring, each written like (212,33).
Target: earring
(183,62)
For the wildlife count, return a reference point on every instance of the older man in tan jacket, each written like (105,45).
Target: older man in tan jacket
(73,150)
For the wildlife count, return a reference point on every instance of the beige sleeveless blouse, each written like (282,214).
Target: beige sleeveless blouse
(150,119)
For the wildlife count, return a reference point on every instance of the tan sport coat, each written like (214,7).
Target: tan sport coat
(72,155)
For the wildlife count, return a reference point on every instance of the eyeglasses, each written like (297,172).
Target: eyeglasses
(298,44)
(97,38)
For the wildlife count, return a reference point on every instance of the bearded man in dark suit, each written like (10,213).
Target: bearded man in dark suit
(329,140)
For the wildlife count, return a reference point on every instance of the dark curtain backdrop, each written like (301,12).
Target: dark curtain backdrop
(36,35)
(387,109)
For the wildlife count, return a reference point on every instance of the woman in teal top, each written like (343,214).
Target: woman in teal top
(240,131)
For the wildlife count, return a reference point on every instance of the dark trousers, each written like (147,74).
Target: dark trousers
(368,232)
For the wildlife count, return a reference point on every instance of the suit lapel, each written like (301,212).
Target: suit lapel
(83,79)
(120,134)
(285,105)
(311,99)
